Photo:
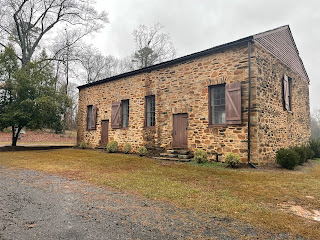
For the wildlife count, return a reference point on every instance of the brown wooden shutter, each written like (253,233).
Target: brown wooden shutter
(94,117)
(233,103)
(88,109)
(286,100)
(116,115)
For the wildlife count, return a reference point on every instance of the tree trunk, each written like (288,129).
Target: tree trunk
(15,135)
(14,141)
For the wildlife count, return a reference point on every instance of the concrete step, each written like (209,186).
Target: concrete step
(171,151)
(167,159)
(172,159)
(182,156)
(169,155)
(185,159)
(178,151)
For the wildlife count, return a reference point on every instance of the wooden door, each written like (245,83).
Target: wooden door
(104,132)
(180,127)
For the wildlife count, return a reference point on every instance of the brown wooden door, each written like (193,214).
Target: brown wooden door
(180,127)
(104,132)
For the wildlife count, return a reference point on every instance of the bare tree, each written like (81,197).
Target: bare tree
(125,65)
(27,22)
(152,46)
(111,66)
(95,66)
(70,116)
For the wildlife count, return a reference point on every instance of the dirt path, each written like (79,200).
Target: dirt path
(38,206)
(39,138)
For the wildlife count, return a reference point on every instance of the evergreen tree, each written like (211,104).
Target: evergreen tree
(28,95)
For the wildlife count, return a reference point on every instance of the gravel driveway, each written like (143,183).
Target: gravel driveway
(34,205)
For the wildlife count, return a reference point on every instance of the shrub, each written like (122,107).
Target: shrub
(112,147)
(302,154)
(309,152)
(200,156)
(315,147)
(7,130)
(142,151)
(232,159)
(126,148)
(287,158)
(83,145)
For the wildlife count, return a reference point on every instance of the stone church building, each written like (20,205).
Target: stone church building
(250,97)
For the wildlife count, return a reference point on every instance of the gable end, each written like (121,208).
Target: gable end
(279,42)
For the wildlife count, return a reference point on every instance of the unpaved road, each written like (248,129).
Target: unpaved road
(34,205)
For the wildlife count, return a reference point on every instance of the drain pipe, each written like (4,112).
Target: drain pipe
(249,106)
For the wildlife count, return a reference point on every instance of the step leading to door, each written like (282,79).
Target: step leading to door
(178,155)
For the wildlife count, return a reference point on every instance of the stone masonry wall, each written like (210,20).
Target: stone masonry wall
(278,127)
(180,88)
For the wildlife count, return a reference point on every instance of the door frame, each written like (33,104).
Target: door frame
(186,136)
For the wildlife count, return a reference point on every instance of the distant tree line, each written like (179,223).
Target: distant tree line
(315,124)
(151,47)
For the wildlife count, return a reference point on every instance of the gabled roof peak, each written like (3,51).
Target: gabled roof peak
(258,35)
(280,43)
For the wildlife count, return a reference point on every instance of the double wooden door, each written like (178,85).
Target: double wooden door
(180,127)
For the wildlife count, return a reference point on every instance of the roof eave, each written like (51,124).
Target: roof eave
(169,63)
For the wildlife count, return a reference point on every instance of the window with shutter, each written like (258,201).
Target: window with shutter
(289,93)
(233,103)
(125,113)
(225,104)
(286,85)
(217,104)
(91,117)
(94,117)
(150,113)
(116,115)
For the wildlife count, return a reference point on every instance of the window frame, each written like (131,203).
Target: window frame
(89,120)
(289,93)
(211,124)
(122,113)
(94,126)
(147,98)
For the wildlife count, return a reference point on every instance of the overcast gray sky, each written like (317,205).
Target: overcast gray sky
(198,25)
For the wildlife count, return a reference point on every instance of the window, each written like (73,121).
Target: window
(120,114)
(218,104)
(225,104)
(150,118)
(125,113)
(91,117)
(286,87)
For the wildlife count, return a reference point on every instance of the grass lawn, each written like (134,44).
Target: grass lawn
(263,198)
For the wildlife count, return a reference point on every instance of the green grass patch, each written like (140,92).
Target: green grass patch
(251,196)
(208,164)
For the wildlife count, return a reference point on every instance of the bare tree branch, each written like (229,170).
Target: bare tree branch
(152,46)
(27,22)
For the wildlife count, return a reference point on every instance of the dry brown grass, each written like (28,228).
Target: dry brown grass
(255,197)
